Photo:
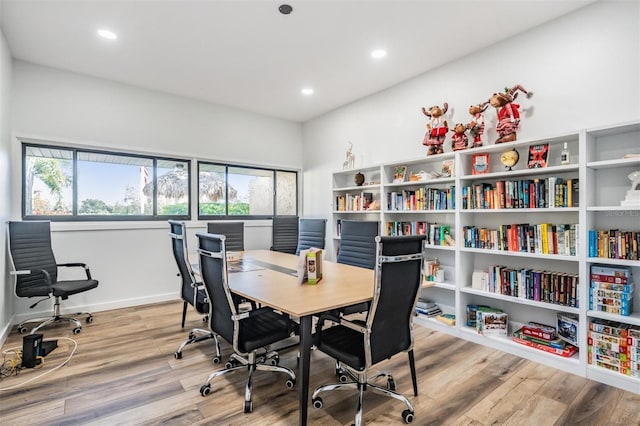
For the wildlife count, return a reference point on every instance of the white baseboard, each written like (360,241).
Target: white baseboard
(94,307)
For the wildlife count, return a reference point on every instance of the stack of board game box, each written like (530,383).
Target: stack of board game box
(614,346)
(545,338)
(611,289)
(487,320)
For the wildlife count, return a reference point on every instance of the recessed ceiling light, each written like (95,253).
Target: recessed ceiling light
(378,53)
(307,91)
(109,35)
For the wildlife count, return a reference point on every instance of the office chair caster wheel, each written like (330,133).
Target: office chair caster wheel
(230,364)
(77,330)
(317,402)
(89,319)
(274,361)
(205,390)
(290,383)
(191,336)
(248,406)
(216,360)
(407,416)
(22,330)
(342,377)
(177,355)
(391,384)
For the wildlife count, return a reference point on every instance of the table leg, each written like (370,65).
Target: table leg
(305,360)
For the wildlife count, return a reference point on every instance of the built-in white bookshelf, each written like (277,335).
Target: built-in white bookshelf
(596,163)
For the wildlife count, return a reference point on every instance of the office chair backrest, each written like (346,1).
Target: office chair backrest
(311,233)
(398,276)
(30,249)
(178,233)
(357,243)
(285,234)
(233,231)
(213,267)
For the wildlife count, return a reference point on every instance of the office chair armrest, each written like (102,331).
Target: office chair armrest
(352,325)
(252,313)
(47,277)
(78,265)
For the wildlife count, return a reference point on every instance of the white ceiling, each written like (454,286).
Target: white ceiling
(246,54)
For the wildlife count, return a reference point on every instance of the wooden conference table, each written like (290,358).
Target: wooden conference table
(270,280)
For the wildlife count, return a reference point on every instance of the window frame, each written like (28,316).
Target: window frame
(226,166)
(75,217)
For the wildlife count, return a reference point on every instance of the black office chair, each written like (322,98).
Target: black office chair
(284,234)
(36,272)
(247,331)
(234,231)
(311,233)
(192,291)
(387,329)
(357,248)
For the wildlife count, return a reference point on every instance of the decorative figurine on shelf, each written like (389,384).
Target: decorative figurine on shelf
(508,114)
(358,179)
(633,194)
(437,128)
(459,139)
(350,161)
(476,125)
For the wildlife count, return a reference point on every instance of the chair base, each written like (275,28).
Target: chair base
(44,321)
(266,362)
(361,383)
(198,335)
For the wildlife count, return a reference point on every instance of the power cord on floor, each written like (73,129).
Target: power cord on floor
(14,364)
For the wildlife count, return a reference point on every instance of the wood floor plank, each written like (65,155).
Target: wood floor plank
(124,373)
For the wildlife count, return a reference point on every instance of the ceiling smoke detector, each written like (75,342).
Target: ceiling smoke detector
(285,9)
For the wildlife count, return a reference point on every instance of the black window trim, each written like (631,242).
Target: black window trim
(226,173)
(74,217)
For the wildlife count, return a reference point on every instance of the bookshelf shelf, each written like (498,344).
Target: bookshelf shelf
(445,285)
(596,163)
(634,318)
(522,301)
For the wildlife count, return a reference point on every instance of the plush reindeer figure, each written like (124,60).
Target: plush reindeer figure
(437,128)
(459,139)
(476,125)
(508,114)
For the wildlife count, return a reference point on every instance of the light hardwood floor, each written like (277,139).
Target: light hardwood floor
(124,373)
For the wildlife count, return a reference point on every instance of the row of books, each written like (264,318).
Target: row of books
(611,289)
(544,238)
(542,286)
(422,199)
(614,244)
(353,202)
(614,346)
(437,234)
(525,193)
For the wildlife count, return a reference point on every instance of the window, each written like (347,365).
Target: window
(245,192)
(75,184)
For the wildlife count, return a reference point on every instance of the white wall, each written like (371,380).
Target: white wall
(133,261)
(583,69)
(6,284)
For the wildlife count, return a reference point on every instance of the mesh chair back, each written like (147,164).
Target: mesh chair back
(398,280)
(285,234)
(311,233)
(213,267)
(357,243)
(178,233)
(30,249)
(233,231)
